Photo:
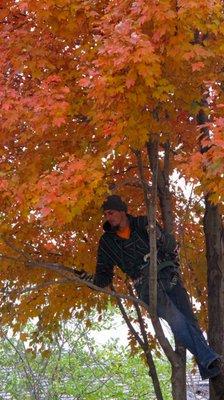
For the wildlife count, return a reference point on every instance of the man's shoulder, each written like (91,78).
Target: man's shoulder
(105,235)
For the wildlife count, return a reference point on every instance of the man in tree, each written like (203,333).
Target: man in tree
(125,243)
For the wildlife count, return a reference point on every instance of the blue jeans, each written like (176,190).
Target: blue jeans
(173,305)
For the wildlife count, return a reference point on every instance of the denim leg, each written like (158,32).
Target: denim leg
(180,298)
(179,315)
(175,308)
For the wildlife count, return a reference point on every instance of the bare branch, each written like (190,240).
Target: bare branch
(129,324)
(147,351)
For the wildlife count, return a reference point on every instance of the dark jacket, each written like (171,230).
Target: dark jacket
(128,254)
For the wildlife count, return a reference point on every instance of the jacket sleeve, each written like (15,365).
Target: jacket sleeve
(104,266)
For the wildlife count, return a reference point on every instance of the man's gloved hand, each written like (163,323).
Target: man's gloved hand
(85,276)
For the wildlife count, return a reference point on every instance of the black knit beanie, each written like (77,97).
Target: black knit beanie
(114,202)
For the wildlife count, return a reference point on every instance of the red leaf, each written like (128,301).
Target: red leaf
(197,66)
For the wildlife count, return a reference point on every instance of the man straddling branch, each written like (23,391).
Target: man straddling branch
(125,243)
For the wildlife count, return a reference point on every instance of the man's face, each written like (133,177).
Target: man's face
(114,217)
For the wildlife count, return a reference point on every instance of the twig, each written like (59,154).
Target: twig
(36,287)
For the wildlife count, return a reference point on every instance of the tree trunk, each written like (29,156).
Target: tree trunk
(214,236)
(165,200)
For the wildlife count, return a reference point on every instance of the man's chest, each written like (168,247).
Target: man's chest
(133,248)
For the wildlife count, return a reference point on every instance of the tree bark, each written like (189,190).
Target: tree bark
(214,236)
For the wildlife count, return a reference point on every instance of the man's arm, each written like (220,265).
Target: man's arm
(104,267)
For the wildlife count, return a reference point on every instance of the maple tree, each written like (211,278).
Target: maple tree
(83,85)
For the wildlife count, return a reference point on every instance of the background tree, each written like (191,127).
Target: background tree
(75,366)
